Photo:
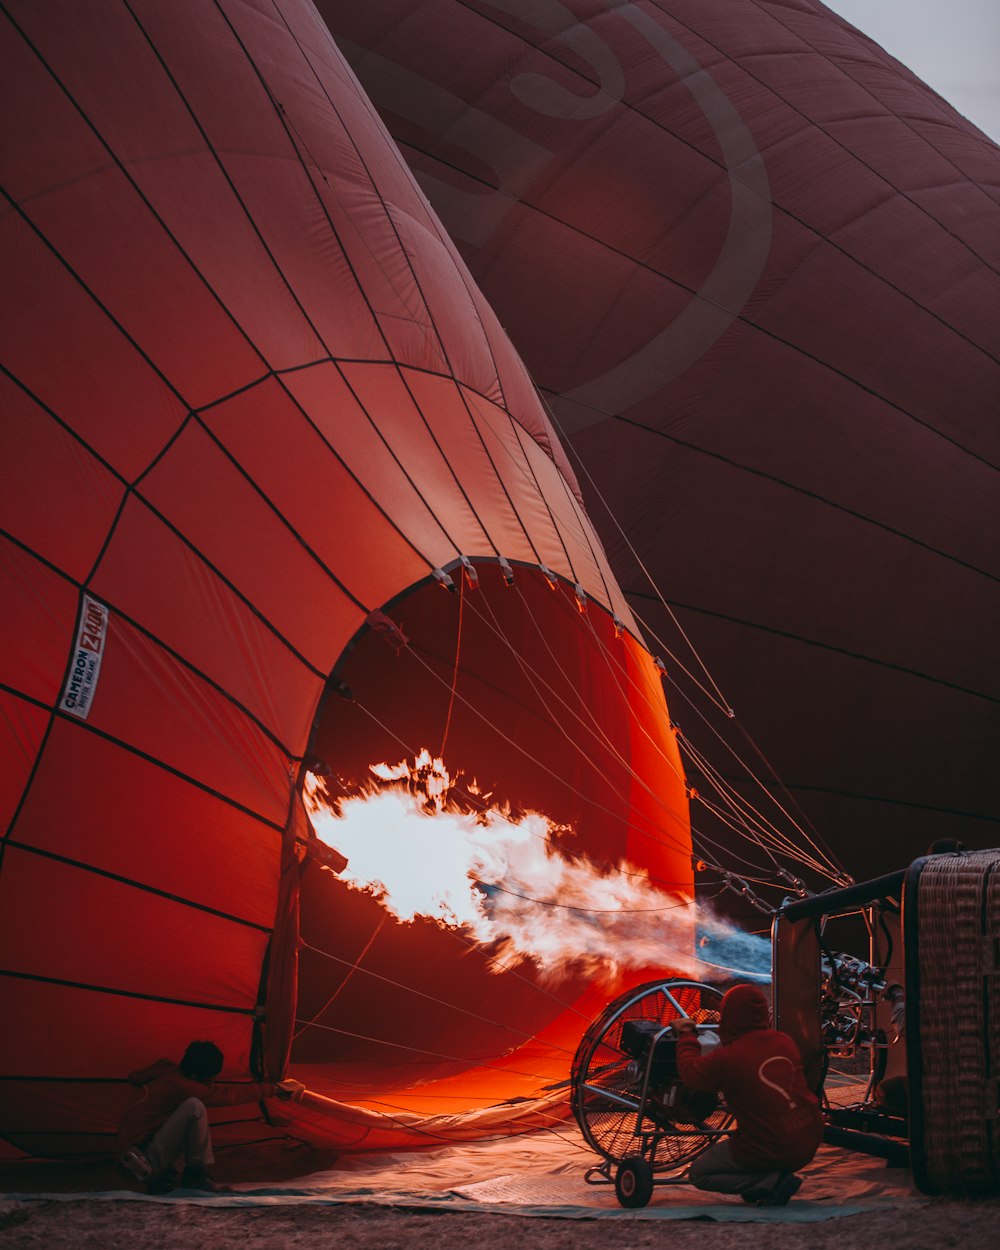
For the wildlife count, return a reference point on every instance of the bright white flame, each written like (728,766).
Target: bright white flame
(504,881)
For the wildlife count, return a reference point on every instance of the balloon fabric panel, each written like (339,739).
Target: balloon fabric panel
(165,842)
(185,605)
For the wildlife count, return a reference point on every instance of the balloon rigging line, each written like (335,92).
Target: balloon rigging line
(535,679)
(654,833)
(671,840)
(811,836)
(613,661)
(454,675)
(723,706)
(352,969)
(569,852)
(409,989)
(732,821)
(828,867)
(660,834)
(719,699)
(678,735)
(818,842)
(580,794)
(684,905)
(763,831)
(468,1060)
(752,819)
(596,730)
(457,934)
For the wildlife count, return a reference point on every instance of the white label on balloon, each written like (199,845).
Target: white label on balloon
(81,682)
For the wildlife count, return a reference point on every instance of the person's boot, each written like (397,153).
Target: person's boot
(135,1164)
(196,1177)
(164,1183)
(787,1186)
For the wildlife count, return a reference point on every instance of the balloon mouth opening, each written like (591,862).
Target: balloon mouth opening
(506,710)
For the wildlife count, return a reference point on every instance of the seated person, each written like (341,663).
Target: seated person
(759,1071)
(165,1118)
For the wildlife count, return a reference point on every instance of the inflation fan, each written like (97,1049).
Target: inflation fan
(626,1095)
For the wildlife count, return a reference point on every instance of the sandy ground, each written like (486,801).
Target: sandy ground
(96,1225)
(312,1199)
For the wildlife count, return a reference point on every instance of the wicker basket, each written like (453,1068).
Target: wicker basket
(951,920)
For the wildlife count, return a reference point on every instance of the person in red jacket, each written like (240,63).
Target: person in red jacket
(759,1071)
(165,1118)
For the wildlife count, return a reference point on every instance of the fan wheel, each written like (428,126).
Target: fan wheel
(606,1085)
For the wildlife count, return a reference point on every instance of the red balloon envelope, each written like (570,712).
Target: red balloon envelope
(258,414)
(753,262)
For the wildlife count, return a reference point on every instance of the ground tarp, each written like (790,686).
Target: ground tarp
(540,1174)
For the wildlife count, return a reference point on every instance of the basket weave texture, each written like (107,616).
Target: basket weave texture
(959,1015)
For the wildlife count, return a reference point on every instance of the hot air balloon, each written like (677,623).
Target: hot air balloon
(752,263)
(279,503)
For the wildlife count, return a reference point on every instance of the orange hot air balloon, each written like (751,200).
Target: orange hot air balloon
(259,419)
(752,263)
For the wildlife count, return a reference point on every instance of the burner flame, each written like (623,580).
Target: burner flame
(508,881)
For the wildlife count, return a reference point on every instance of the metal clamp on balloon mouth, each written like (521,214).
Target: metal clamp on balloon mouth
(443,579)
(387,629)
(471,576)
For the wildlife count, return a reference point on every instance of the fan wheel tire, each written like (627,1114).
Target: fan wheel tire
(634,1182)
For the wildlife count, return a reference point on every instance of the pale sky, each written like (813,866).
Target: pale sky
(953,45)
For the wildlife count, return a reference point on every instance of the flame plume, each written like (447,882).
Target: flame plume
(505,881)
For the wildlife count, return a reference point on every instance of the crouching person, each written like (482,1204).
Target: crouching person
(165,1120)
(759,1071)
